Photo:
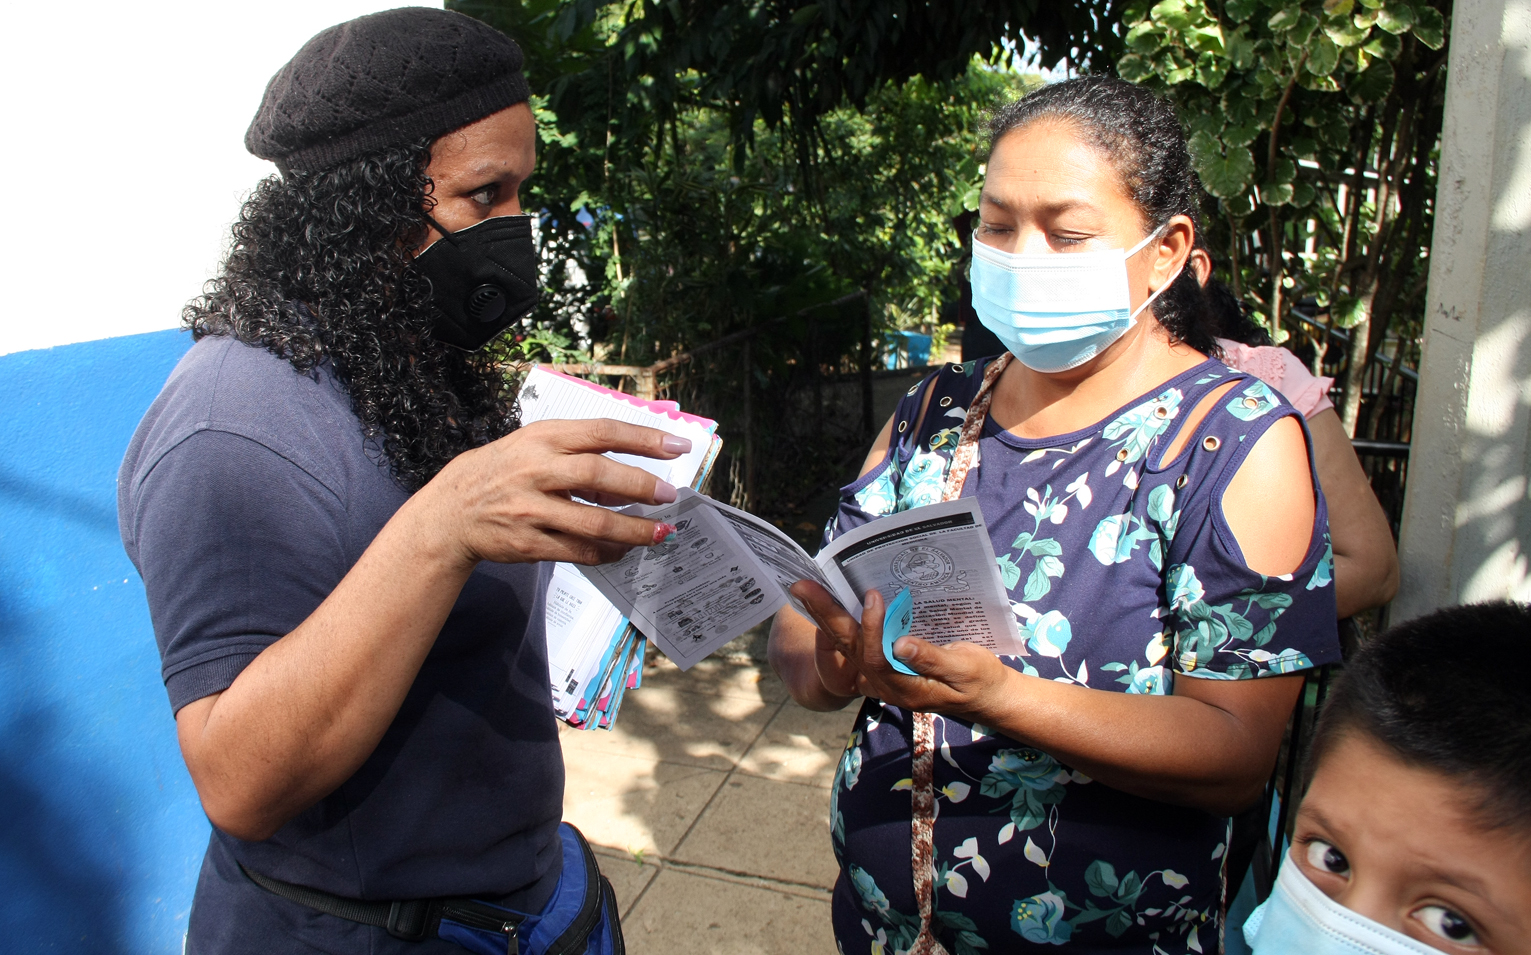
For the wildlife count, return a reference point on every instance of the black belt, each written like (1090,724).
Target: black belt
(413,920)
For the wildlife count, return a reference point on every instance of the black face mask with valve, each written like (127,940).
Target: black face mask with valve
(483,279)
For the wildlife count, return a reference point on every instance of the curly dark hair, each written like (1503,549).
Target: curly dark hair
(319,270)
(1142,137)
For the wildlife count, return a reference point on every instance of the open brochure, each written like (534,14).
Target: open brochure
(594,653)
(725,571)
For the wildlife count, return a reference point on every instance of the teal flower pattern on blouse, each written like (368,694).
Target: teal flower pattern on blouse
(1323,574)
(1255,400)
(1134,431)
(1033,780)
(897,931)
(923,480)
(1040,918)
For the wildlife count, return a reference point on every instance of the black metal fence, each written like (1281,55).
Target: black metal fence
(798,399)
(1385,424)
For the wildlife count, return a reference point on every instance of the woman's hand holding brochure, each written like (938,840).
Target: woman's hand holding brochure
(955,678)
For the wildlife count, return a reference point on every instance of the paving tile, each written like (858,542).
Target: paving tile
(687,914)
(754,680)
(759,882)
(765,827)
(666,723)
(800,746)
(628,875)
(634,804)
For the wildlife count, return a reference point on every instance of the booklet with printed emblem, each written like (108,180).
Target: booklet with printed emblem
(724,571)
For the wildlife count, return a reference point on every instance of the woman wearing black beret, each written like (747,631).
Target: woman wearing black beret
(340,526)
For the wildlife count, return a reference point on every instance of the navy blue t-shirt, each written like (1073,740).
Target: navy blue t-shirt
(247,493)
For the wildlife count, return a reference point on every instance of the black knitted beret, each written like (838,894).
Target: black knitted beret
(382,80)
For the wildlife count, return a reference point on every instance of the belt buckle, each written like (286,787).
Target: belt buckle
(408,920)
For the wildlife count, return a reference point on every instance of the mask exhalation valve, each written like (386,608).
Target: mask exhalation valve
(486,304)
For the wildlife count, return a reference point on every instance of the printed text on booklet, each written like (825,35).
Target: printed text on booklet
(726,571)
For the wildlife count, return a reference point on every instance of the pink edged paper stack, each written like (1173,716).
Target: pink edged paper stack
(594,653)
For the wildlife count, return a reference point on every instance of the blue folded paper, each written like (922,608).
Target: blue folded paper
(896,622)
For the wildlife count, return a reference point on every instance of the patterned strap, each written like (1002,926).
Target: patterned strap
(922,794)
(965,458)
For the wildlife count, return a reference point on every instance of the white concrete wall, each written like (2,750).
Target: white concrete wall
(122,152)
(1466,532)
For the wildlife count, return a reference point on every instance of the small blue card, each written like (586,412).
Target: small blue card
(896,622)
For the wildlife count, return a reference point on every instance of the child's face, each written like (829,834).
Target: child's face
(1400,846)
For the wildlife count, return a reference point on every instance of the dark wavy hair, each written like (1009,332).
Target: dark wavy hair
(320,270)
(1230,317)
(1141,136)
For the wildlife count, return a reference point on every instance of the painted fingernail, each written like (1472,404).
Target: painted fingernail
(664,533)
(674,445)
(664,493)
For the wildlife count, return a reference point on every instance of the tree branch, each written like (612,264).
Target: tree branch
(1277,233)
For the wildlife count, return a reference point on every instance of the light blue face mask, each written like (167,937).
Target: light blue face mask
(1056,311)
(1298,917)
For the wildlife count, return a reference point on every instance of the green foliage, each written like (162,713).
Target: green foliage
(1313,125)
(777,60)
(698,239)
(538,342)
(744,160)
(703,240)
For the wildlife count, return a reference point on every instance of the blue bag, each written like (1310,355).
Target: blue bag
(580,919)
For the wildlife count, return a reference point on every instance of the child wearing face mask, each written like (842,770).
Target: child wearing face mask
(1414,836)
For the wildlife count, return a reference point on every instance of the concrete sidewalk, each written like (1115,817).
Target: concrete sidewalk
(709,807)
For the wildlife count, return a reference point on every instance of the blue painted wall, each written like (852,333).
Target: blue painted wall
(100,831)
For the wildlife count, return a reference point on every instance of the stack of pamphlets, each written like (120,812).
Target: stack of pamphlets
(595,654)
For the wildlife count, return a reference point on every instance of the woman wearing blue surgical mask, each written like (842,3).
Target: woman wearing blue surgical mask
(1159,527)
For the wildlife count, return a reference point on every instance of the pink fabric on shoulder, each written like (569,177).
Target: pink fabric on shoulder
(1281,370)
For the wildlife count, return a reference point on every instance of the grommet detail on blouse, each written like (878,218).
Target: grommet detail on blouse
(911,391)
(1161,412)
(1181,481)
(1251,402)
(1121,455)
(1211,443)
(903,426)
(946,402)
(956,367)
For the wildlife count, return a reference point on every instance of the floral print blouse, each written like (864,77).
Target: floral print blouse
(1123,576)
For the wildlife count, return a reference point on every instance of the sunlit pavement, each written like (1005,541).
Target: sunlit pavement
(709,808)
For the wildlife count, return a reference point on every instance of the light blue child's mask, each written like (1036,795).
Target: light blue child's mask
(1298,917)
(1056,311)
